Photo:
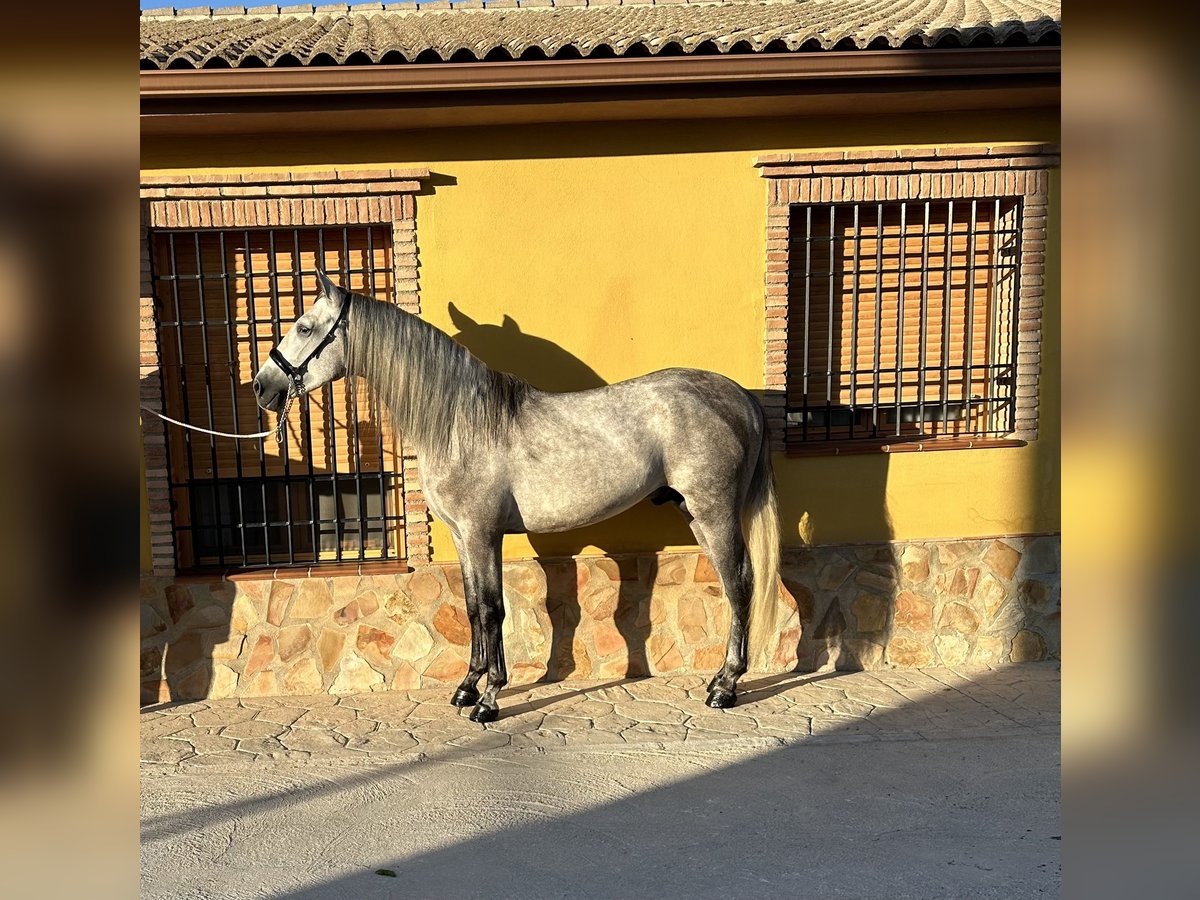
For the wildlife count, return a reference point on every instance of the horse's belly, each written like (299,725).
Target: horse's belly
(561,500)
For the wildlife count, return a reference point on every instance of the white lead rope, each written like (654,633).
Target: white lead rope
(277,431)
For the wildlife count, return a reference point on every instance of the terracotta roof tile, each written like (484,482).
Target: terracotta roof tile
(467,30)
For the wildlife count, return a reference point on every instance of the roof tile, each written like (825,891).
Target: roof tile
(270,35)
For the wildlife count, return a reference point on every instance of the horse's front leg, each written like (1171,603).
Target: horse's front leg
(482,555)
(468,692)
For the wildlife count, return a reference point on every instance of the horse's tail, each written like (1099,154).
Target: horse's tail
(760,527)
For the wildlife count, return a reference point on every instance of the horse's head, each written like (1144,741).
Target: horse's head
(311,354)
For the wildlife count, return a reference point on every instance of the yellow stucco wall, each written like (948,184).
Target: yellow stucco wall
(616,249)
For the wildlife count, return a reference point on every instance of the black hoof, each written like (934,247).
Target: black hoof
(722,699)
(483,714)
(464,697)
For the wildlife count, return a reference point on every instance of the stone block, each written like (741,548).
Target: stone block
(1002,558)
(359,608)
(607,640)
(293,640)
(1038,597)
(952,649)
(277,602)
(960,618)
(243,616)
(313,600)
(870,612)
(152,622)
(908,653)
(261,685)
(414,643)
(355,677)
(914,563)
(400,607)
(447,667)
(834,574)
(600,601)
(451,623)
(705,573)
(1027,646)
(425,587)
(913,612)
(303,677)
(989,650)
(375,645)
(262,656)
(670,571)
(329,648)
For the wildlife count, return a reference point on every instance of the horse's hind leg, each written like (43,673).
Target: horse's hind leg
(720,536)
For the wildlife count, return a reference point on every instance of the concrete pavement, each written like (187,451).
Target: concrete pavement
(902,783)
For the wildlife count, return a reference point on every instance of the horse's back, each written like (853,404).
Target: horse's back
(580,457)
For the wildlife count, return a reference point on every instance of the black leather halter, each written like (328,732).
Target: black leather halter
(296,373)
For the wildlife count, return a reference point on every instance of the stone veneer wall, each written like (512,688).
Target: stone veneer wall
(918,603)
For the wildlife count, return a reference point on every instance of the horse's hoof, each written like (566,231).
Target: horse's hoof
(483,714)
(464,697)
(721,699)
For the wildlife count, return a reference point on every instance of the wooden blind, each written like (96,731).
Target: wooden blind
(901,319)
(224,299)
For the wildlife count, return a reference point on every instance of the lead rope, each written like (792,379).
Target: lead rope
(276,432)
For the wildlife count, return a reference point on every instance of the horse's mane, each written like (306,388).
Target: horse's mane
(438,395)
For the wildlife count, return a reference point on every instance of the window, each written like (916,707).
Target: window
(332,491)
(904,292)
(902,323)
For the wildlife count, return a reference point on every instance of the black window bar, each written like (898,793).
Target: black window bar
(223,298)
(903,323)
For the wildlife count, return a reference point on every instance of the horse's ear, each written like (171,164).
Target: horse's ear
(329,289)
(509,325)
(461,320)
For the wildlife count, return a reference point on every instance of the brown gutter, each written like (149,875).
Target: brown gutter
(991,62)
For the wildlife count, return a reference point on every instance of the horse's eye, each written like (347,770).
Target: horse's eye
(304,330)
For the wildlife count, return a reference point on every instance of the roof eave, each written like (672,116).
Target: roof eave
(520,75)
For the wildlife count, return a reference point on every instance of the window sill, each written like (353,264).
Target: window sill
(274,573)
(851,448)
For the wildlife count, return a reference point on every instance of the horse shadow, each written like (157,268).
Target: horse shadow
(549,367)
(843,597)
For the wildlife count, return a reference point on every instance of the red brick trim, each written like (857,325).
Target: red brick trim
(871,175)
(274,199)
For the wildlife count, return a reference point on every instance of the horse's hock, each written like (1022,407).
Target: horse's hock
(906,604)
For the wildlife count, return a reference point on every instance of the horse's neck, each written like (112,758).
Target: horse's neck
(448,385)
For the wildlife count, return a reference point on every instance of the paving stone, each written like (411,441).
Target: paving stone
(651,689)
(384,741)
(641,733)
(208,744)
(588,708)
(246,730)
(327,717)
(283,715)
(489,739)
(651,711)
(592,737)
(311,740)
(262,746)
(716,721)
(166,752)
(358,728)
(223,715)
(933,703)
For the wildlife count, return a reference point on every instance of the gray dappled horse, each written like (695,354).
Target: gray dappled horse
(497,456)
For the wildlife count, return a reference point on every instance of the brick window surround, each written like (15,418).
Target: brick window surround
(384,197)
(975,172)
